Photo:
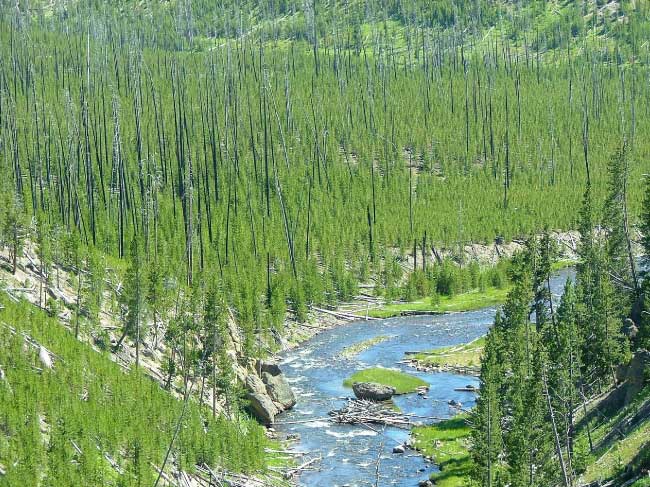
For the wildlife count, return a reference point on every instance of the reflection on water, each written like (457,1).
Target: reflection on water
(316,372)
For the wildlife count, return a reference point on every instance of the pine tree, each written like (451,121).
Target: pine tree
(542,256)
(598,308)
(44,248)
(644,329)
(14,230)
(517,407)
(563,371)
(215,316)
(487,440)
(619,259)
(132,300)
(156,297)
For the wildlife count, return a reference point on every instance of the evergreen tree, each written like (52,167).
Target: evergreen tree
(132,301)
(563,371)
(14,229)
(598,308)
(215,316)
(618,253)
(487,440)
(520,435)
(156,297)
(644,331)
(44,251)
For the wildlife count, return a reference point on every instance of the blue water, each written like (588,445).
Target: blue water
(316,372)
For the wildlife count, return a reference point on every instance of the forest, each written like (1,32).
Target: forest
(170,168)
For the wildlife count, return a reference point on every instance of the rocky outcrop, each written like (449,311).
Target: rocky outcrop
(259,402)
(373,391)
(270,368)
(637,374)
(268,393)
(279,390)
(631,378)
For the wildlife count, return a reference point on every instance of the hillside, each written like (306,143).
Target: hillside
(71,416)
(200,24)
(190,187)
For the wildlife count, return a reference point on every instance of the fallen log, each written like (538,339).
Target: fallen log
(342,315)
(362,411)
(293,471)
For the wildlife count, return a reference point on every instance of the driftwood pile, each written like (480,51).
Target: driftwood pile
(362,411)
(208,477)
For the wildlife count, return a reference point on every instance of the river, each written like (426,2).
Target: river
(316,371)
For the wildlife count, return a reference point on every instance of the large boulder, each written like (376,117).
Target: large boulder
(254,384)
(279,390)
(269,367)
(261,406)
(269,394)
(373,391)
(259,402)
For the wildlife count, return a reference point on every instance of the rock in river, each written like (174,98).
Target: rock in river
(279,390)
(259,403)
(373,391)
(269,394)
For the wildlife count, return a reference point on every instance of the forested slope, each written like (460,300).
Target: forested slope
(247,158)
(267,157)
(70,416)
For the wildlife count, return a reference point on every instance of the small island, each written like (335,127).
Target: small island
(402,383)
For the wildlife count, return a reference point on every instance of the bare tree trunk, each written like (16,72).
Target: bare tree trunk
(558,447)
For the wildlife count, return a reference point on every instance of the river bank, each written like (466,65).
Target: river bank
(368,306)
(356,455)
(460,359)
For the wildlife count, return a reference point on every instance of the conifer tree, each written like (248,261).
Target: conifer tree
(156,297)
(563,371)
(14,229)
(598,309)
(644,331)
(44,247)
(619,259)
(132,300)
(215,315)
(487,440)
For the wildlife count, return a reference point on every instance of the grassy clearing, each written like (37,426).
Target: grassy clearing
(465,355)
(357,348)
(468,301)
(610,459)
(447,442)
(613,462)
(563,264)
(403,383)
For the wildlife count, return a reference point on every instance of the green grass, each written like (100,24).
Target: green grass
(465,355)
(357,348)
(562,264)
(403,383)
(613,461)
(447,442)
(468,301)
(610,459)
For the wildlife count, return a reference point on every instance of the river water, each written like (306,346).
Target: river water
(316,371)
